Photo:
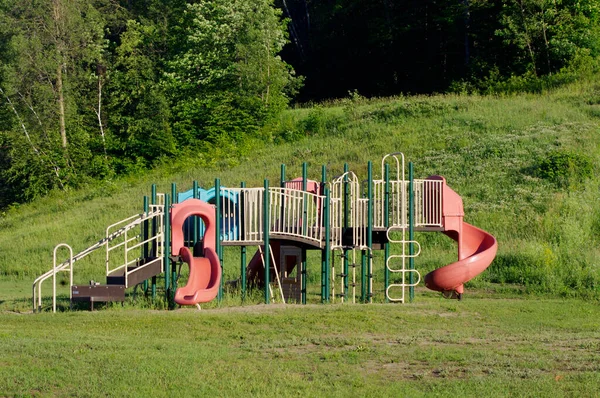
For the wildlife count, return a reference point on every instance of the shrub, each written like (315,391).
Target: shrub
(564,168)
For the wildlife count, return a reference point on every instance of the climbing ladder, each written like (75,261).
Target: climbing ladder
(400,267)
(349,212)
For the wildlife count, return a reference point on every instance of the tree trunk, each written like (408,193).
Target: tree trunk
(528,37)
(61,106)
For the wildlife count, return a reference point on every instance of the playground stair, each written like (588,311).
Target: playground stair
(116,283)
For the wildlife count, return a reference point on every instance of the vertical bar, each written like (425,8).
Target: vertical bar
(194,222)
(345,228)
(386,224)
(324,263)
(303,251)
(370,231)
(146,233)
(167,251)
(282,215)
(411,231)
(218,234)
(173,283)
(267,253)
(304,188)
(154,232)
(242,231)
(326,211)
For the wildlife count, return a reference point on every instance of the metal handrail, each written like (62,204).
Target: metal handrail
(296,213)
(156,213)
(65,266)
(68,265)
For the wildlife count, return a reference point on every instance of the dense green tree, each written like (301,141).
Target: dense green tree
(53,46)
(549,34)
(139,114)
(226,78)
(90,88)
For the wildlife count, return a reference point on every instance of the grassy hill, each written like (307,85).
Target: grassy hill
(525,166)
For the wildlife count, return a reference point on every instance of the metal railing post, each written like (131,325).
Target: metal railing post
(266,226)
(369,269)
(411,231)
(154,232)
(243,247)
(386,223)
(218,247)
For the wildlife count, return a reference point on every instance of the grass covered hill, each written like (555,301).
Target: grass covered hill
(525,165)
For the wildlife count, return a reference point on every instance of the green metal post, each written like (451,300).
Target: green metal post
(218,247)
(167,248)
(363,276)
(368,271)
(282,197)
(326,215)
(154,232)
(346,223)
(411,230)
(304,197)
(303,264)
(243,248)
(146,248)
(386,220)
(173,284)
(267,252)
(195,221)
(324,263)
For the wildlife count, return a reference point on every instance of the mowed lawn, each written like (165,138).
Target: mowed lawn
(486,345)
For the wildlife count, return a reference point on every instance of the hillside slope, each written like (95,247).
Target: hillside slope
(524,165)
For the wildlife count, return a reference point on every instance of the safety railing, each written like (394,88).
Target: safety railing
(428,203)
(243,215)
(292,212)
(127,241)
(348,209)
(296,214)
(397,204)
(67,266)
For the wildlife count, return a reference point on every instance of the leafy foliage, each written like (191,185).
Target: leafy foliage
(565,168)
(94,89)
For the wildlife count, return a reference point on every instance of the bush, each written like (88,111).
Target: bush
(564,169)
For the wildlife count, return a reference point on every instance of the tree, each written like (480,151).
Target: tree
(53,46)
(226,78)
(549,34)
(139,111)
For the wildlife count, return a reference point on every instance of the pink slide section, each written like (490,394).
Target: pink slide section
(476,248)
(205,272)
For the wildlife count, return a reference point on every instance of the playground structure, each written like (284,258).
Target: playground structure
(344,218)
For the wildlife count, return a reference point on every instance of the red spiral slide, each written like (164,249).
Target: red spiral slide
(205,272)
(476,247)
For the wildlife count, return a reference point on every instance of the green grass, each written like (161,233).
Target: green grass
(478,347)
(526,167)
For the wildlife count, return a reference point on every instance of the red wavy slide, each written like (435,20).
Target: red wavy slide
(476,247)
(205,272)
